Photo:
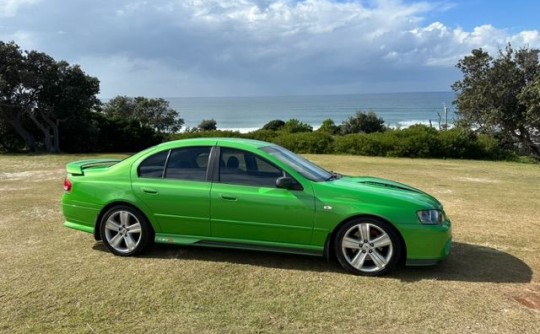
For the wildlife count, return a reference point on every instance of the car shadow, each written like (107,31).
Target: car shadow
(472,263)
(238,256)
(467,263)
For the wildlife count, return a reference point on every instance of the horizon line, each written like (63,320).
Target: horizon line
(287,95)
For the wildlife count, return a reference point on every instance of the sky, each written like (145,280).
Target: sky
(184,48)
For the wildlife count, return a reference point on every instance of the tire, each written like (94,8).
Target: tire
(125,231)
(367,246)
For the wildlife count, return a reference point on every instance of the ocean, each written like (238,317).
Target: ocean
(251,113)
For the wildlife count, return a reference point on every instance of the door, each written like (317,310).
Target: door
(247,206)
(175,186)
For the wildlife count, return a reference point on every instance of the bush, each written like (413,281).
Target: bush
(328,126)
(206,134)
(417,141)
(123,135)
(490,148)
(261,134)
(294,126)
(207,125)
(363,123)
(459,143)
(359,144)
(274,125)
(306,142)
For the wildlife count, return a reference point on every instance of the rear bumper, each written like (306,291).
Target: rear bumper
(79,217)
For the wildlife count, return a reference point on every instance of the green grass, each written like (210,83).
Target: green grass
(53,279)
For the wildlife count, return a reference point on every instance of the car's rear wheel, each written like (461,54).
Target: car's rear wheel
(125,231)
(367,246)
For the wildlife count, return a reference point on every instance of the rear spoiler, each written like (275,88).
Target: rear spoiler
(77,167)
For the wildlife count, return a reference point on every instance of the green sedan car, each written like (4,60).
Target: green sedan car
(237,193)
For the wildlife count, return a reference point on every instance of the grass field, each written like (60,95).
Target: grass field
(53,279)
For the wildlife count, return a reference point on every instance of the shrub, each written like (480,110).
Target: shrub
(123,135)
(328,126)
(460,144)
(204,134)
(306,142)
(274,125)
(207,125)
(363,122)
(294,126)
(417,141)
(490,148)
(261,134)
(359,144)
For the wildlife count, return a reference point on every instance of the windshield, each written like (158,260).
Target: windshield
(304,167)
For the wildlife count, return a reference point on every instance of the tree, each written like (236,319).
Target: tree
(328,126)
(207,125)
(10,140)
(38,94)
(274,125)
(530,98)
(497,96)
(293,126)
(122,135)
(65,93)
(16,93)
(363,122)
(153,113)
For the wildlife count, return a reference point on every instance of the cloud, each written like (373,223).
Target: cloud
(9,8)
(250,47)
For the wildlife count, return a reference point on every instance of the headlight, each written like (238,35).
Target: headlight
(431,217)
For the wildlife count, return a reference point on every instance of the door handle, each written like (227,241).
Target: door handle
(149,190)
(228,197)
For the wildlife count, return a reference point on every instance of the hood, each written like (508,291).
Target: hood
(376,188)
(384,183)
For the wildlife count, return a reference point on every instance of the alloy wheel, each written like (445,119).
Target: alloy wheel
(367,247)
(123,231)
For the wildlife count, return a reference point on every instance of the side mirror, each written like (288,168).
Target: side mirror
(286,182)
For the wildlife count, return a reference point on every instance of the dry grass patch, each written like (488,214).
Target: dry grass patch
(53,279)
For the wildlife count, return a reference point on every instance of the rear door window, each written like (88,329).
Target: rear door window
(153,166)
(188,163)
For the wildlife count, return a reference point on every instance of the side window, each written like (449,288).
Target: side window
(153,165)
(246,168)
(189,163)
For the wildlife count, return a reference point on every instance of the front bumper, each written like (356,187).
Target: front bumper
(427,244)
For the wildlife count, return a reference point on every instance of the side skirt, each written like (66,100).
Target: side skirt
(236,244)
(421,263)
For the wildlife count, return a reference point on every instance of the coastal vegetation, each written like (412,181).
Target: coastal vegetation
(417,141)
(501,97)
(52,106)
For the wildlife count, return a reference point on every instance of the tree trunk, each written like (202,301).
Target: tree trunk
(525,139)
(47,138)
(13,117)
(54,126)
(56,138)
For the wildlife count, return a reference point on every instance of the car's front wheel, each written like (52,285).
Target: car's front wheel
(367,246)
(125,231)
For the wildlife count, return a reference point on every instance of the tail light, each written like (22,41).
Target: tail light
(67,185)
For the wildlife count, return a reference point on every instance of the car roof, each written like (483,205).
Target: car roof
(241,142)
